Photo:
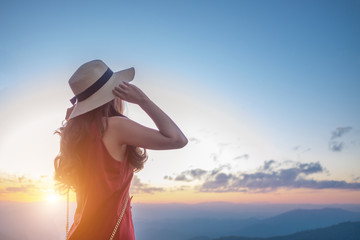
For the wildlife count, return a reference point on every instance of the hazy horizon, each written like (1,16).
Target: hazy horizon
(38,218)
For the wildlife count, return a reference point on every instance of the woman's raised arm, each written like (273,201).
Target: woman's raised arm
(168,135)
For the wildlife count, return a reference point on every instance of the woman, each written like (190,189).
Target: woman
(100,149)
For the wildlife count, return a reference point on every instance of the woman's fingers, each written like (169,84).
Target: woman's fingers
(127,92)
(117,93)
(123,85)
(120,91)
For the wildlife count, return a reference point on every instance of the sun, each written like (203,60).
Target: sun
(52,197)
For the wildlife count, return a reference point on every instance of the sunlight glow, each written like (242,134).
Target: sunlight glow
(52,197)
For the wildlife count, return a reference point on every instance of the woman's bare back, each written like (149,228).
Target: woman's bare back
(116,150)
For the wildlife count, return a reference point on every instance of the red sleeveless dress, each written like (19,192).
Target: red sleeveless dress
(106,184)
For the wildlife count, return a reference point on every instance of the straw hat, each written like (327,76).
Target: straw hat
(92,84)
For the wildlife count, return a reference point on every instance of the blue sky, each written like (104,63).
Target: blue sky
(275,58)
(291,68)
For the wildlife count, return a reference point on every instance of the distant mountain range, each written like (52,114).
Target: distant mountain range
(283,224)
(299,220)
(342,231)
(46,221)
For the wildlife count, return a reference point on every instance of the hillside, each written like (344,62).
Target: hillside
(283,224)
(342,231)
(299,220)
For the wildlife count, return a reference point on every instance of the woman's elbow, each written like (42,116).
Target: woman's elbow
(181,142)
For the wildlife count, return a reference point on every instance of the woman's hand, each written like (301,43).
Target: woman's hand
(129,93)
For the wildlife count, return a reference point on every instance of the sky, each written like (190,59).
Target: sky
(267,93)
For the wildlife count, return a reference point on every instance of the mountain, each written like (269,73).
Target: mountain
(180,229)
(342,231)
(201,238)
(206,229)
(299,220)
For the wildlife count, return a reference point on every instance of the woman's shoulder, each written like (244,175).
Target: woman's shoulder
(116,118)
(114,121)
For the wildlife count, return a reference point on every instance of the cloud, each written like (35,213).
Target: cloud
(190,175)
(138,187)
(214,157)
(168,177)
(339,132)
(194,140)
(220,182)
(307,150)
(22,178)
(267,164)
(270,177)
(197,174)
(244,156)
(17,189)
(356,179)
(297,148)
(182,178)
(12,183)
(334,144)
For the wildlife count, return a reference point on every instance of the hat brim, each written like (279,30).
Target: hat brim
(104,94)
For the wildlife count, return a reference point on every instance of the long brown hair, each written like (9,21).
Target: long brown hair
(73,133)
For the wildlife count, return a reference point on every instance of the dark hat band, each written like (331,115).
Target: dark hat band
(93,88)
